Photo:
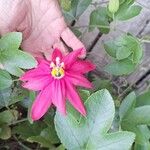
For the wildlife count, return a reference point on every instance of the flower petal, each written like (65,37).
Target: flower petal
(41,60)
(77,79)
(34,73)
(56,53)
(71,57)
(37,84)
(81,66)
(74,98)
(43,64)
(58,95)
(41,104)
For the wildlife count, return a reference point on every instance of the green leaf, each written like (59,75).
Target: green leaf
(5,97)
(42,132)
(50,132)
(127,11)
(144,135)
(5,132)
(84,94)
(13,59)
(9,96)
(99,19)
(60,147)
(121,1)
(127,52)
(41,140)
(65,4)
(27,130)
(12,69)
(131,115)
(17,95)
(91,132)
(122,53)
(143,99)
(77,9)
(18,58)
(5,80)
(99,84)
(111,48)
(140,115)
(127,105)
(125,46)
(136,119)
(79,6)
(134,45)
(122,67)
(8,116)
(47,134)
(11,41)
(46,138)
(113,6)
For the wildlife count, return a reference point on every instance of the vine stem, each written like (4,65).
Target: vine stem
(18,121)
(125,91)
(11,112)
(15,80)
(21,144)
(145,41)
(96,4)
(96,26)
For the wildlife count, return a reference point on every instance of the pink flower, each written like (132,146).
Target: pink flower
(56,81)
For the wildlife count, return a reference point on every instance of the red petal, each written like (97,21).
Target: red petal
(71,58)
(82,66)
(56,53)
(41,104)
(37,84)
(74,99)
(34,73)
(58,95)
(41,60)
(77,79)
(43,64)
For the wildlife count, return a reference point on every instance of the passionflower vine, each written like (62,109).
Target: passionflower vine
(57,80)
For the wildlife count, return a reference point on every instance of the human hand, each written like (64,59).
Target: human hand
(41,23)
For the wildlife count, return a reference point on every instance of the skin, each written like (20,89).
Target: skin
(42,25)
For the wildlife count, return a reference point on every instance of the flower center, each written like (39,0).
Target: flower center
(57,69)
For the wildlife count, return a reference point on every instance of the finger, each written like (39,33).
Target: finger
(72,41)
(48,54)
(61,46)
(35,54)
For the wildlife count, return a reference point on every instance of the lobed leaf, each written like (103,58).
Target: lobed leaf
(99,18)
(92,132)
(127,11)
(136,119)
(5,80)
(127,51)
(11,41)
(122,67)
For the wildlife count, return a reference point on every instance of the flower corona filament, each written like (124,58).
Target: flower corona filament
(57,69)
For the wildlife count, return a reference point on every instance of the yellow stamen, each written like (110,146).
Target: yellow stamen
(57,72)
(57,69)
